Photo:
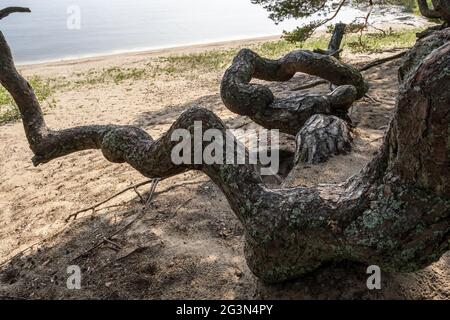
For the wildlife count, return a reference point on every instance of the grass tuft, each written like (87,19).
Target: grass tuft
(8,108)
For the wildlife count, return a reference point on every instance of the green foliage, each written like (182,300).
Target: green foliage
(114,74)
(285,9)
(410,6)
(378,42)
(209,60)
(8,108)
(301,34)
(367,42)
(280,10)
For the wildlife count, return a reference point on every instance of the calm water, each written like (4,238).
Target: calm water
(109,26)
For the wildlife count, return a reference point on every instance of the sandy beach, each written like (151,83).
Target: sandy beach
(189,243)
(131,57)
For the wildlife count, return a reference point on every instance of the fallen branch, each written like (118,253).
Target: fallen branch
(40,242)
(381,61)
(373,99)
(140,214)
(13,298)
(115,244)
(95,206)
(309,85)
(181,184)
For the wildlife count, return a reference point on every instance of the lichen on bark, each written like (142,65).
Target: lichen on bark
(395,213)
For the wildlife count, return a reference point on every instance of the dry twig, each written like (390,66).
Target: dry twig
(94,207)
(40,242)
(140,214)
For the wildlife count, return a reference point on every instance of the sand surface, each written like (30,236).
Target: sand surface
(188,244)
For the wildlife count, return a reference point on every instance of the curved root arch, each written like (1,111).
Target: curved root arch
(288,115)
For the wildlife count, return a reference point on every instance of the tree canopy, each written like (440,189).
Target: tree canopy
(327,10)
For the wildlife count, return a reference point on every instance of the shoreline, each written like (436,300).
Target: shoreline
(379,20)
(138,54)
(157,52)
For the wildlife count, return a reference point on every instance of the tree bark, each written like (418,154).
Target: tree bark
(426,11)
(321,138)
(292,114)
(394,214)
(335,42)
(336,38)
(443,9)
(440,10)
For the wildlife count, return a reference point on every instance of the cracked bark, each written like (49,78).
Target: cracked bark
(395,213)
(321,138)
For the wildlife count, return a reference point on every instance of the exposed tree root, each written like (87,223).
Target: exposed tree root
(394,214)
(290,114)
